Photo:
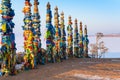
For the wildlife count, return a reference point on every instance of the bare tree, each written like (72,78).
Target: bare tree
(98,46)
(103,49)
(94,50)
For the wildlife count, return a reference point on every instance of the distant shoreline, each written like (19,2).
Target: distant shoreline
(107,35)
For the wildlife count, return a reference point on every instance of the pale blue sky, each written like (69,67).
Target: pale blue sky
(98,15)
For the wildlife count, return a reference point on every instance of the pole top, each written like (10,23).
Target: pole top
(48,5)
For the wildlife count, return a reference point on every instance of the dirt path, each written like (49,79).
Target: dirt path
(73,69)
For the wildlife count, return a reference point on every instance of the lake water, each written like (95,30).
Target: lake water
(113,45)
(112,55)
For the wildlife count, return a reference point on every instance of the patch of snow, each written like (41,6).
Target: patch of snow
(89,62)
(116,60)
(19,66)
(95,77)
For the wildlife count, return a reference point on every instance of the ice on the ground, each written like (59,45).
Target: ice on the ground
(93,77)
(19,66)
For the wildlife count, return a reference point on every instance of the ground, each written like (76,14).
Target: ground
(73,69)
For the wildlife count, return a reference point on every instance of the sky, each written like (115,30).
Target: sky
(98,15)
